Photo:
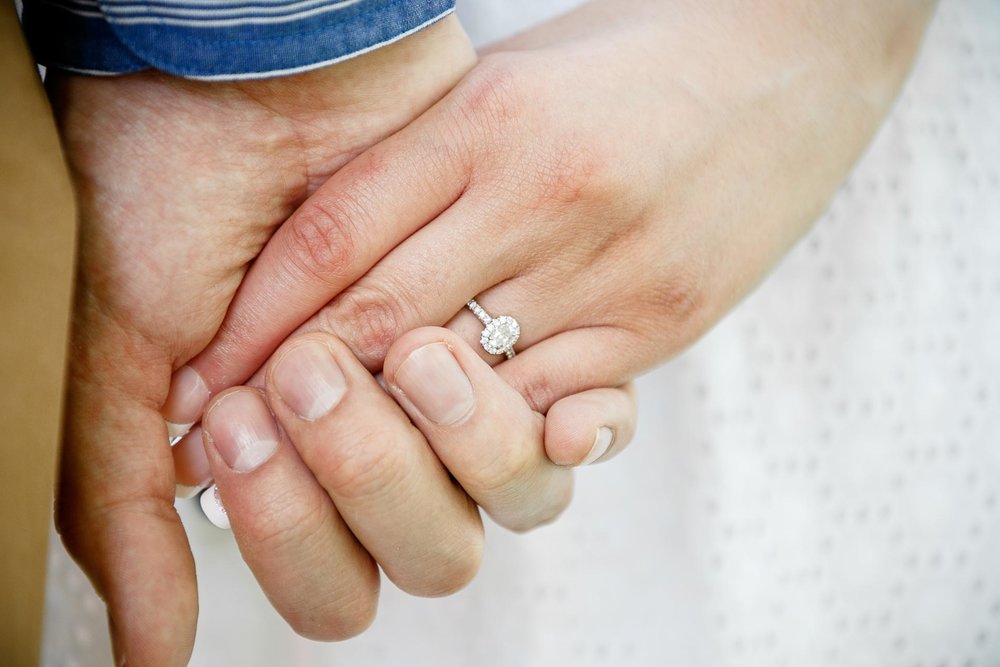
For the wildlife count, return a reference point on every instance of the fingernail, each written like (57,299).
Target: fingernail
(436,385)
(193,473)
(308,380)
(602,442)
(184,492)
(186,399)
(242,430)
(211,505)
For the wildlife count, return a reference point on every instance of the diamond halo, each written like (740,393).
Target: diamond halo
(500,333)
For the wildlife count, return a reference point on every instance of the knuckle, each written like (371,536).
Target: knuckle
(333,620)
(560,502)
(555,502)
(501,473)
(285,522)
(75,518)
(677,300)
(493,94)
(369,319)
(365,467)
(462,568)
(539,391)
(322,240)
(575,170)
(453,571)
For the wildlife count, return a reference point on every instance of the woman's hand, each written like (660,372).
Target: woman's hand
(179,185)
(616,180)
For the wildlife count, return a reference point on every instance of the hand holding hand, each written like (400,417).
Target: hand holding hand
(179,185)
(616,180)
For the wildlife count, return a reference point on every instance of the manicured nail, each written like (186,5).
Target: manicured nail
(211,505)
(436,385)
(184,492)
(242,430)
(185,401)
(602,443)
(191,468)
(308,380)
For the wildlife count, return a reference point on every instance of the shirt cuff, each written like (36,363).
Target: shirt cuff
(205,39)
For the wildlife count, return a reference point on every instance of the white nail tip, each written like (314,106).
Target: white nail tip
(184,492)
(602,442)
(176,431)
(253,457)
(458,413)
(211,505)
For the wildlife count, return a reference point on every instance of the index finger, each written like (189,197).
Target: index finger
(354,219)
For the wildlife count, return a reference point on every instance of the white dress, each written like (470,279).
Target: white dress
(816,483)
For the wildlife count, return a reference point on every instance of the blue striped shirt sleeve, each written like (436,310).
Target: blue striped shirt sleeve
(217,39)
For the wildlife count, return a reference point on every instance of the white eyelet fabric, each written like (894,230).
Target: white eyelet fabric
(814,484)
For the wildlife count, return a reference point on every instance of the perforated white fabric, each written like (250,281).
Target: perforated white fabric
(816,483)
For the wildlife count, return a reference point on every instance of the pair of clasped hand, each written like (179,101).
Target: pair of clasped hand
(285,265)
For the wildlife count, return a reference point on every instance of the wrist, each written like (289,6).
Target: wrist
(406,76)
(312,122)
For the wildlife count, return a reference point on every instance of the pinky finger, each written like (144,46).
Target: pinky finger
(590,426)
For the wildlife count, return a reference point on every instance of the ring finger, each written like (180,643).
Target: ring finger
(480,427)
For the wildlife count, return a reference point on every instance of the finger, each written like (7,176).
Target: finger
(424,281)
(384,479)
(191,468)
(412,287)
(342,230)
(572,362)
(537,318)
(591,426)
(316,574)
(115,510)
(187,397)
(480,428)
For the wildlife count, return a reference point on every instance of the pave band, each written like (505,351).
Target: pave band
(499,333)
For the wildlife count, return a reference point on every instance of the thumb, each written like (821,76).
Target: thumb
(115,507)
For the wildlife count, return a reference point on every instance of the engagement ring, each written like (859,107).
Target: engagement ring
(499,334)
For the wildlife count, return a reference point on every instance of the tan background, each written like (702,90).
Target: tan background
(36,263)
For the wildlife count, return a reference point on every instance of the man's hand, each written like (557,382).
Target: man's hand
(180,184)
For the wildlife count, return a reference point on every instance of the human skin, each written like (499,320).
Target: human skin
(617,178)
(771,98)
(179,186)
(614,248)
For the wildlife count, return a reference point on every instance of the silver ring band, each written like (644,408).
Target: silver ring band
(499,333)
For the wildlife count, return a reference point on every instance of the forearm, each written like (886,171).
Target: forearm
(868,43)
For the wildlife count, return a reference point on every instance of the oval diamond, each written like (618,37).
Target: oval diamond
(500,335)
